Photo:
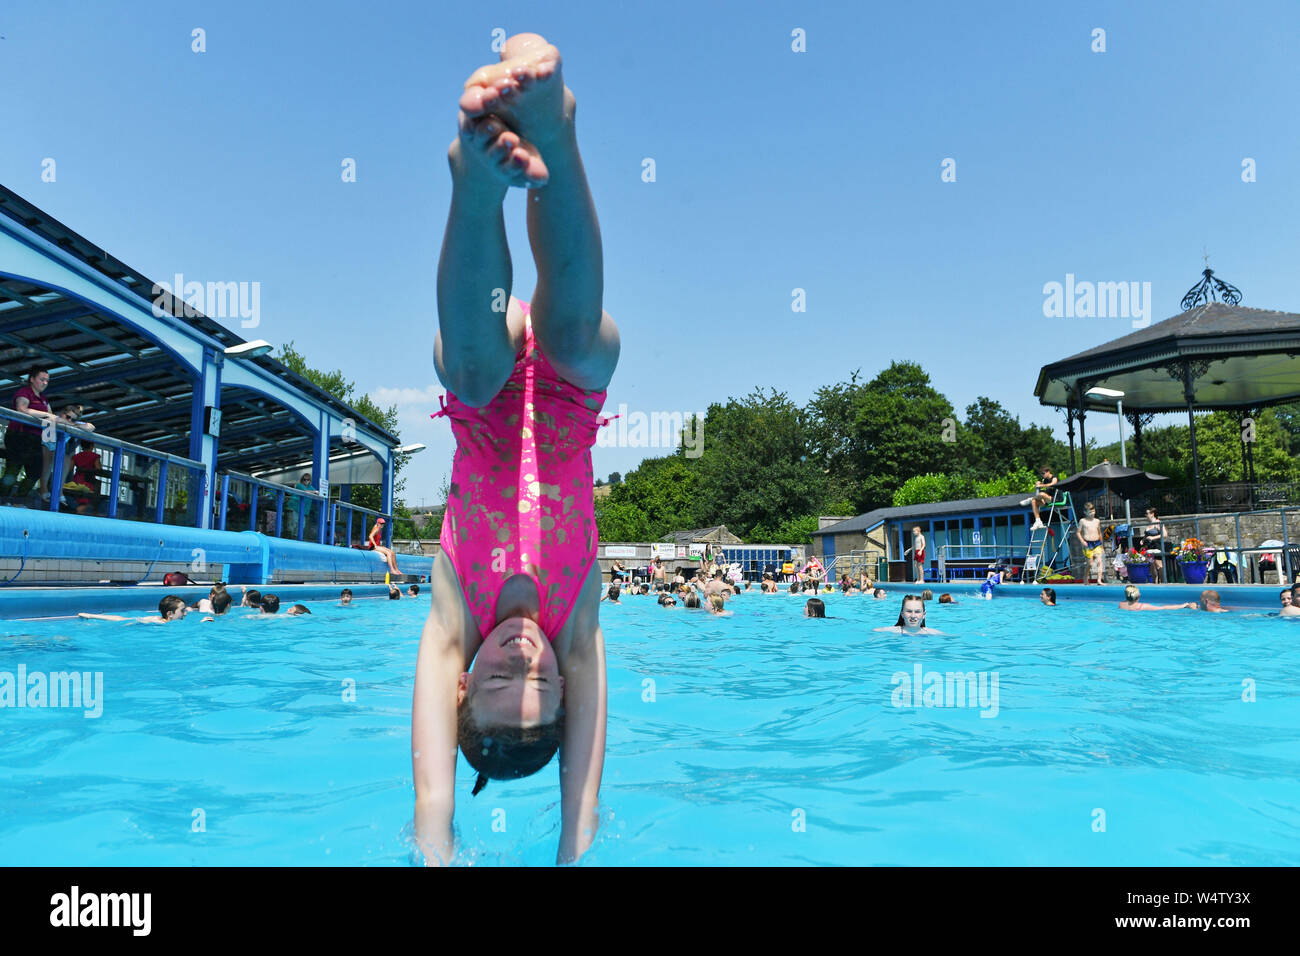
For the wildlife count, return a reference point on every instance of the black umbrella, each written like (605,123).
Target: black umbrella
(1125,482)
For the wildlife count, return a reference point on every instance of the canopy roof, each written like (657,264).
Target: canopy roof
(1237,357)
(131,386)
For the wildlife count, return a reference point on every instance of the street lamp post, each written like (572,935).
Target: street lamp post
(1123,457)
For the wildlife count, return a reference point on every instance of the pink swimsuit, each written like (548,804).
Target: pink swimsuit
(521,489)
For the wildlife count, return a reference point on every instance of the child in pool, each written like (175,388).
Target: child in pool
(991,581)
(512,661)
(911,619)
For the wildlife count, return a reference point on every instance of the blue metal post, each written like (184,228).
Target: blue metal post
(56,476)
(345,495)
(252,506)
(160,491)
(387,508)
(279,513)
(225,499)
(115,483)
(320,467)
(203,447)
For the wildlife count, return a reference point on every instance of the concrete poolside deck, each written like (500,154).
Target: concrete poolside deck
(1253,597)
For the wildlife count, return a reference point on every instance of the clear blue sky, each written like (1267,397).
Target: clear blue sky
(776,170)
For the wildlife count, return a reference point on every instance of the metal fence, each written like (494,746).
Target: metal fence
(1215,499)
(125,481)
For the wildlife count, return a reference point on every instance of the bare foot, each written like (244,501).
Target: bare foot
(525,89)
(486,150)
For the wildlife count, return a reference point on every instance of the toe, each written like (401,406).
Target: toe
(522,44)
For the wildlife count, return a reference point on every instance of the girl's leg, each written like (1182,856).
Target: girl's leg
(473,352)
(579,339)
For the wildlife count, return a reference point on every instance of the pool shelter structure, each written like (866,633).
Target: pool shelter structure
(194,423)
(1214,355)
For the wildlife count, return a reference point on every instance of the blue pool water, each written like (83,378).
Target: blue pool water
(760,738)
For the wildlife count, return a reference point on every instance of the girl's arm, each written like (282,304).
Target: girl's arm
(447,646)
(434,740)
(582,755)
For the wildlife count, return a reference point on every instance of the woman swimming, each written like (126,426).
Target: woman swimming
(911,619)
(1133,602)
(512,661)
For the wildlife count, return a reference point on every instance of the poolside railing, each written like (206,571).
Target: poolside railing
(295,513)
(981,553)
(136,483)
(243,500)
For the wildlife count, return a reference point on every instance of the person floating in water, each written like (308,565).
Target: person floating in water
(170,608)
(911,619)
(1133,602)
(512,660)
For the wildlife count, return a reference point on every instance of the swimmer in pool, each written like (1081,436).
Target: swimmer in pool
(911,619)
(512,659)
(345,597)
(1292,609)
(170,608)
(1133,602)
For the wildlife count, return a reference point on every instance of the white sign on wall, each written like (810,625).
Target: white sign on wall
(664,551)
(620,551)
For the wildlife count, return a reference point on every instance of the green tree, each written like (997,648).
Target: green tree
(899,425)
(657,497)
(755,471)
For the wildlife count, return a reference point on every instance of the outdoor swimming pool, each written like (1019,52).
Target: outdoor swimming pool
(761,738)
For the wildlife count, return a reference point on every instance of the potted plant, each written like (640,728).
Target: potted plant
(1191,556)
(1138,566)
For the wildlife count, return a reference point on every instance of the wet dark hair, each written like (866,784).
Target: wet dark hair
(506,753)
(220,601)
(613,592)
(946,598)
(347,591)
(906,598)
(301,609)
(394,594)
(1051,594)
(254,598)
(1295,591)
(270,603)
(169,605)
(816,607)
(927,595)
(414,589)
(795,587)
(877,591)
